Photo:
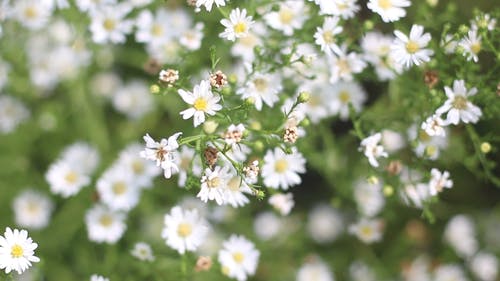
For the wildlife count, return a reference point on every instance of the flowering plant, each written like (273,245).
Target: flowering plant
(218,139)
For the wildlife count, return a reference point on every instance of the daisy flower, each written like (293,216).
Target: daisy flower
(191,38)
(184,230)
(104,225)
(109,24)
(369,198)
(141,170)
(203,102)
(238,258)
(117,189)
(324,224)
(471,45)
(460,234)
(282,202)
(457,106)
(208,3)
(33,14)
(96,277)
(439,180)
(345,9)
(409,50)
(153,30)
(234,191)
(372,149)
(66,179)
(163,152)
(143,252)
(12,113)
(262,88)
(345,93)
(237,26)
(314,269)
(281,169)
(17,251)
(389,10)
(325,36)
(32,209)
(367,230)
(213,184)
(343,65)
(289,17)
(433,126)
(267,225)
(82,153)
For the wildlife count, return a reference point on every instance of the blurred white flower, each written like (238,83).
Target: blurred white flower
(281,169)
(143,251)
(262,87)
(12,113)
(282,202)
(191,38)
(433,126)
(66,178)
(209,3)
(154,30)
(17,251)
(372,149)
(389,10)
(92,6)
(133,99)
(96,277)
(267,225)
(411,50)
(234,193)
(449,272)
(109,24)
(104,225)
(290,16)
(82,153)
(324,224)
(460,233)
(188,163)
(32,14)
(237,26)
(315,270)
(359,271)
(325,36)
(32,209)
(344,64)
(117,189)
(367,230)
(392,141)
(369,198)
(184,230)
(143,171)
(471,45)
(457,106)
(345,93)
(484,266)
(345,9)
(238,258)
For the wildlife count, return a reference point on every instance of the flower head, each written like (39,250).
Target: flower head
(237,26)
(372,149)
(17,251)
(202,102)
(238,258)
(389,10)
(409,50)
(458,107)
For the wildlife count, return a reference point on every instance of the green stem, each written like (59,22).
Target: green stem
(477,149)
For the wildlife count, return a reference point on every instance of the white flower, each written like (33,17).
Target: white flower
(32,209)
(359,271)
(439,181)
(343,65)
(377,51)
(372,149)
(108,24)
(325,36)
(345,9)
(234,191)
(449,272)
(238,258)
(96,277)
(315,270)
(281,169)
(163,152)
(282,202)
(416,194)
(460,233)
(143,252)
(367,230)
(289,17)
(208,3)
(141,170)
(104,225)
(433,126)
(12,113)
(411,50)
(389,10)
(82,153)
(117,189)
(188,163)
(203,102)
(66,178)
(369,198)
(17,251)
(91,6)
(324,224)
(458,106)
(213,185)
(484,266)
(392,141)
(237,26)
(345,93)
(191,38)
(234,134)
(267,225)
(133,100)
(154,30)
(471,45)
(33,14)
(184,230)
(262,87)
(449,44)
(427,146)
(484,21)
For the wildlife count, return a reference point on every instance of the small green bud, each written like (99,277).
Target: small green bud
(246,133)
(303,97)
(388,191)
(434,92)
(432,3)
(154,89)
(233,78)
(258,145)
(368,25)
(485,147)
(250,101)
(210,126)
(305,122)
(430,151)
(260,194)
(463,29)
(255,125)
(226,91)
(372,180)
(288,150)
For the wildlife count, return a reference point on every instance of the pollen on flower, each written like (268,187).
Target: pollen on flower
(281,166)
(109,24)
(234,183)
(71,177)
(30,12)
(16,251)
(260,84)
(213,182)
(200,104)
(240,27)
(238,257)
(157,30)
(138,167)
(119,188)
(184,229)
(412,47)
(344,97)
(460,103)
(385,4)
(328,37)
(105,220)
(475,48)
(286,16)
(366,231)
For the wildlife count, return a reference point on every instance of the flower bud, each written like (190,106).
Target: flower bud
(388,191)
(210,126)
(154,89)
(485,147)
(303,97)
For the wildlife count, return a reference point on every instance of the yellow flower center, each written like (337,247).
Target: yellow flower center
(281,166)
(215,182)
(260,84)
(385,4)
(71,177)
(314,101)
(238,257)
(185,162)
(225,270)
(200,104)
(33,207)
(431,150)
(412,47)
(344,97)
(328,37)
(249,41)
(109,24)
(234,183)
(30,12)
(343,66)
(286,15)
(157,30)
(138,167)
(475,48)
(460,103)
(16,251)
(240,27)
(106,220)
(423,136)
(119,188)
(366,231)
(184,230)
